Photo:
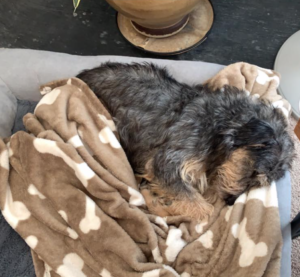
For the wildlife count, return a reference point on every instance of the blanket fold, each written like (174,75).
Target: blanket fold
(68,189)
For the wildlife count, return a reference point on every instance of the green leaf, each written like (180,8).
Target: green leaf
(76,4)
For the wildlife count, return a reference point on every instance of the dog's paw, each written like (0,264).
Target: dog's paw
(154,204)
(196,208)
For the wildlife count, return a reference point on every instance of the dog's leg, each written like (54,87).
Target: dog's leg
(162,203)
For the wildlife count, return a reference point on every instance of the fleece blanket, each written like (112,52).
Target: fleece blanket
(68,189)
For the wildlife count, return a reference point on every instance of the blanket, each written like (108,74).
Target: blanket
(68,189)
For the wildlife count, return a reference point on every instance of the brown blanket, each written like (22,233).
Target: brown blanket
(67,188)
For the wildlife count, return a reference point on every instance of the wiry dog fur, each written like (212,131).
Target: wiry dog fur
(185,139)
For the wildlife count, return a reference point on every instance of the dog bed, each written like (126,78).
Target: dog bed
(192,69)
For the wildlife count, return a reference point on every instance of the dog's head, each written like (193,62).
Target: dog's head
(258,152)
(245,144)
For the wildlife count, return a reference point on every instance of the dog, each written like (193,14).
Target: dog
(188,140)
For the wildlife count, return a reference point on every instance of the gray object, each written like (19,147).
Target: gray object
(288,65)
(21,74)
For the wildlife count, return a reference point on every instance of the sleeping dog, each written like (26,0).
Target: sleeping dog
(187,140)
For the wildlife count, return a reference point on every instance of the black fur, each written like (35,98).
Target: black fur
(168,122)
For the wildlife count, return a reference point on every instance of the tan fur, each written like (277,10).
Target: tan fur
(193,172)
(197,208)
(148,175)
(162,203)
(229,173)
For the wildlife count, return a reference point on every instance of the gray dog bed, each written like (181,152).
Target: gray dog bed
(21,74)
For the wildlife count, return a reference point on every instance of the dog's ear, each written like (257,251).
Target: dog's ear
(193,172)
(230,175)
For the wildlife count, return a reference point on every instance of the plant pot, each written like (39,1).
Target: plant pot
(156,18)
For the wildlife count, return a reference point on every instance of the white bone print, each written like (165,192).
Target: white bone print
(4,161)
(175,244)
(72,266)
(14,211)
(110,123)
(82,170)
(34,191)
(107,136)
(249,250)
(91,221)
(136,198)
(48,98)
(206,239)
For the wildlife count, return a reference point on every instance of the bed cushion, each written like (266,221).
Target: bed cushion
(34,68)
(8,108)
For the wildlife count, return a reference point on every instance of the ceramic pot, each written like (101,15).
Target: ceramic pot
(156,18)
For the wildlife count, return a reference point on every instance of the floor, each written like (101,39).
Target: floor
(250,31)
